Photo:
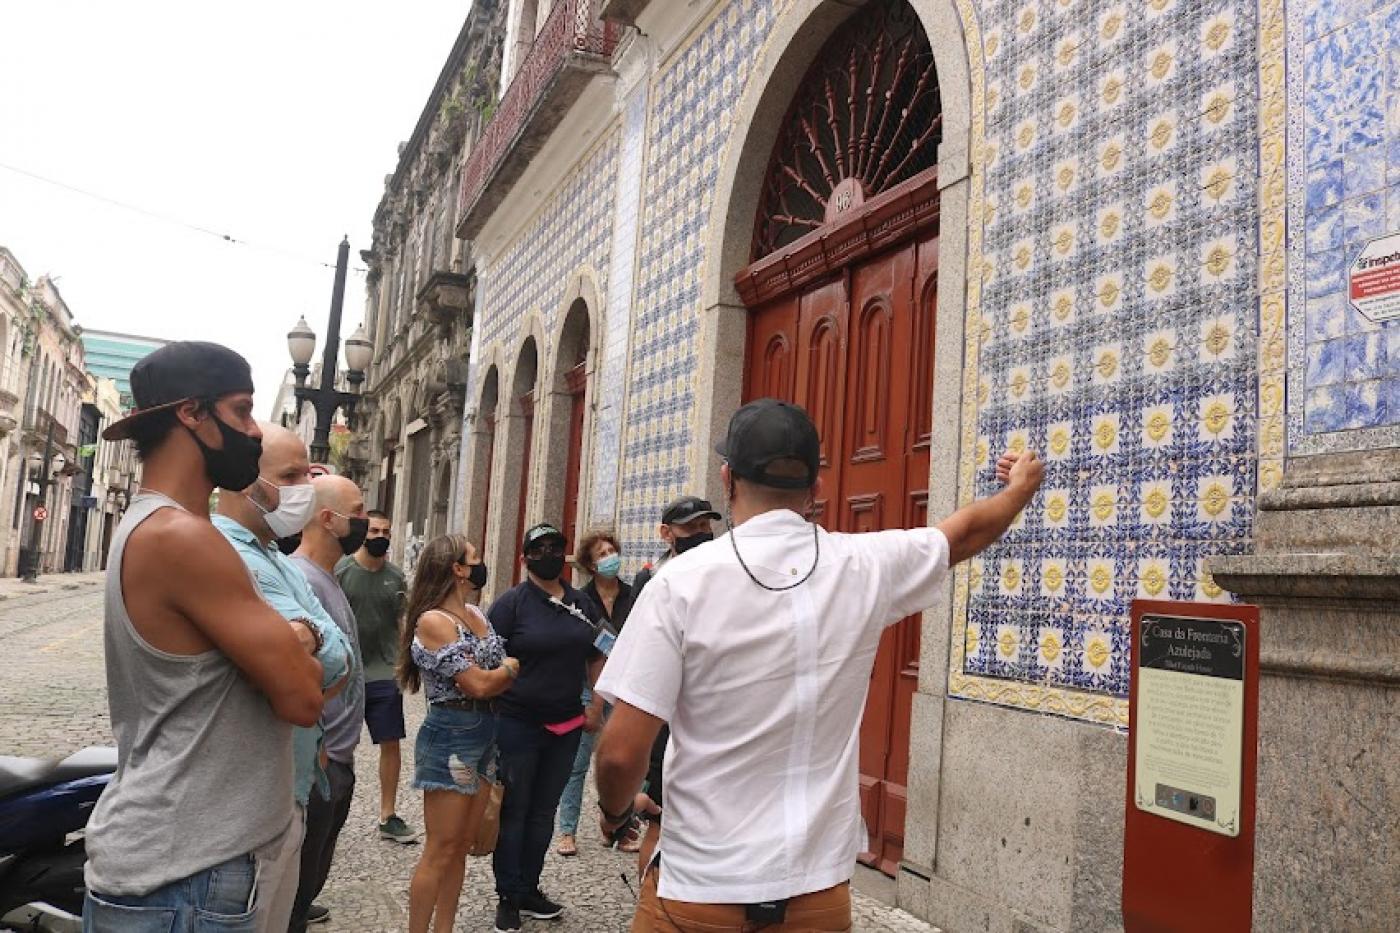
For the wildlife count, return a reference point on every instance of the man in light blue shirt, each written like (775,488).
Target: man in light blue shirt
(279,504)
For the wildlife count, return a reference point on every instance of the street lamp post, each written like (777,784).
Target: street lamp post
(36,526)
(326,398)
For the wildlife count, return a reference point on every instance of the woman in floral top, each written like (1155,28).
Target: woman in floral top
(450,650)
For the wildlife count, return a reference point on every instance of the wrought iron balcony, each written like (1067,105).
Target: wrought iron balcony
(573,47)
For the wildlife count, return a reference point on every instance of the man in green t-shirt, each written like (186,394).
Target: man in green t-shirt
(376,591)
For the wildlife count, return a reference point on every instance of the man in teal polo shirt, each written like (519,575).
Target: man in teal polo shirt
(279,504)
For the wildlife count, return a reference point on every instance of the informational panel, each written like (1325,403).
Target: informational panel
(1189,734)
(1373,280)
(1188,835)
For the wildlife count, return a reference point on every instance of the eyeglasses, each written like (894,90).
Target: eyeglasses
(553,549)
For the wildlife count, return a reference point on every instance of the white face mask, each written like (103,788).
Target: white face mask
(295,506)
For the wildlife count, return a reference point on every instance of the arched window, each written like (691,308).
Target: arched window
(867,117)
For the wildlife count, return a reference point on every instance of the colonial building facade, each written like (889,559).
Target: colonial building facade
(1116,233)
(420,296)
(48,399)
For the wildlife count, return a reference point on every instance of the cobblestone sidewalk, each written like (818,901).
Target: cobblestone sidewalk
(53,701)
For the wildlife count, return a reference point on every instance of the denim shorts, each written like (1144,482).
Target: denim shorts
(219,898)
(455,748)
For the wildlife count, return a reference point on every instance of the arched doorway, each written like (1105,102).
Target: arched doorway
(568,416)
(483,452)
(523,439)
(842,292)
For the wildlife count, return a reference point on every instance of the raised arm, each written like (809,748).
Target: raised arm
(207,583)
(972,528)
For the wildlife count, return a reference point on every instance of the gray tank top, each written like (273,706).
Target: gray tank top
(204,768)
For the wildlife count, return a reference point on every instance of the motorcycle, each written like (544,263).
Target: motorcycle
(42,803)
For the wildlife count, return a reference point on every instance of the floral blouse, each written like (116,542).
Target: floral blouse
(440,668)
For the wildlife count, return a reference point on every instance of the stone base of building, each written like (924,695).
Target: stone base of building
(1022,828)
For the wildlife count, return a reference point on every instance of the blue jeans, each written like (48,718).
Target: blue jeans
(219,898)
(572,801)
(535,765)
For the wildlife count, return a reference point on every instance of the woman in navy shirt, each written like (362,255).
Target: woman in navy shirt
(550,627)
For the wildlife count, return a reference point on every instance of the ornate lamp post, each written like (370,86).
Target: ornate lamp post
(326,398)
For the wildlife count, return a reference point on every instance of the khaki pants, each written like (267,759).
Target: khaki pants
(279,868)
(828,910)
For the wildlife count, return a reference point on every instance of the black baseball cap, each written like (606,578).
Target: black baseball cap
(768,430)
(544,531)
(687,508)
(178,372)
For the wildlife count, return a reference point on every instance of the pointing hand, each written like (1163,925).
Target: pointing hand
(1022,470)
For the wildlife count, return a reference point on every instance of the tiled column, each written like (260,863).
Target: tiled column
(617,328)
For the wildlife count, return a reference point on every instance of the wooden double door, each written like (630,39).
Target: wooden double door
(857,352)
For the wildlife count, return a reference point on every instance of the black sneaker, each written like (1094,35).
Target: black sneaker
(540,907)
(318,914)
(507,917)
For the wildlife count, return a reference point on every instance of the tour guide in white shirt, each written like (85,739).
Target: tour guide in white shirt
(757,649)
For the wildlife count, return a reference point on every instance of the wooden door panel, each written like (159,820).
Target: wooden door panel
(870,378)
(820,385)
(857,353)
(772,350)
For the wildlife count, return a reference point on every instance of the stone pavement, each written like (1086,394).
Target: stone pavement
(53,701)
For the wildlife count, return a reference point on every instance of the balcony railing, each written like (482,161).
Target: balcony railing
(573,41)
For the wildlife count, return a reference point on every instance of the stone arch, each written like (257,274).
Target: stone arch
(569,389)
(514,462)
(793,44)
(477,483)
(796,38)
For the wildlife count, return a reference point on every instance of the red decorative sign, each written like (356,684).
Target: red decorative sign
(1193,707)
(40,513)
(1373,281)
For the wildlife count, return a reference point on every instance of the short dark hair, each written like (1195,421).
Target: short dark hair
(150,432)
(377,513)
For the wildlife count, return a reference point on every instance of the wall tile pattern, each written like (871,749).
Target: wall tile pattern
(1114,328)
(612,366)
(690,123)
(573,230)
(1344,149)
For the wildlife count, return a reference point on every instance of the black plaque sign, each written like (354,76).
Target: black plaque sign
(1189,730)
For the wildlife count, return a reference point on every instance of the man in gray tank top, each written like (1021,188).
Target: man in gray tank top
(204,679)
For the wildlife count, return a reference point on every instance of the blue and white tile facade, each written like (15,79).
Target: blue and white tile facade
(690,124)
(1118,321)
(1129,275)
(1344,151)
(573,230)
(612,368)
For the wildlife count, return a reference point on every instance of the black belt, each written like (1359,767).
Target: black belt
(476,706)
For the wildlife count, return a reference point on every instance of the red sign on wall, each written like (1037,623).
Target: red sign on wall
(1188,835)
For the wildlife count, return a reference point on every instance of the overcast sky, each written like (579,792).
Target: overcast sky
(274,123)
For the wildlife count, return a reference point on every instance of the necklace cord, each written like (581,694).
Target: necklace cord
(816,557)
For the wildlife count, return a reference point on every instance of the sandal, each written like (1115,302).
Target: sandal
(567,846)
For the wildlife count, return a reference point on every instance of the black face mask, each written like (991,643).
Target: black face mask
(377,547)
(350,542)
(235,465)
(476,575)
(289,544)
(681,545)
(546,566)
